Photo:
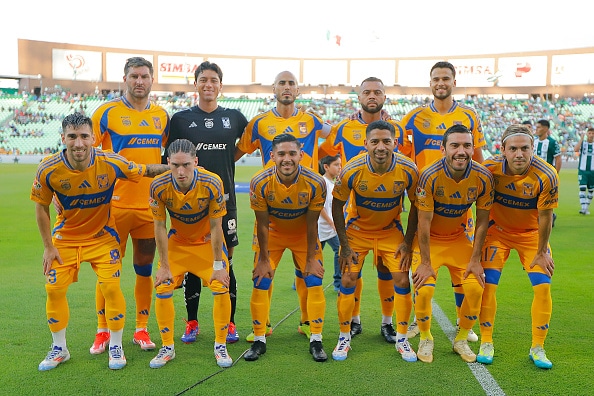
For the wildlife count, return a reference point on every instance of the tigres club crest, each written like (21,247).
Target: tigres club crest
(398,188)
(102,181)
(303,199)
(528,189)
(303,128)
(157,123)
(471,194)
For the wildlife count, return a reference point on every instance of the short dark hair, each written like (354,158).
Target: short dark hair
(181,146)
(527,122)
(443,65)
(206,65)
(544,123)
(380,124)
(372,79)
(327,160)
(457,128)
(137,61)
(76,120)
(285,137)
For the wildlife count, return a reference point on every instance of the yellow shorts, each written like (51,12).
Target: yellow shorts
(453,253)
(138,223)
(194,258)
(103,253)
(383,246)
(499,243)
(296,244)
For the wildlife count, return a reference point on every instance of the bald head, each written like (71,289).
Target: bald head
(285,88)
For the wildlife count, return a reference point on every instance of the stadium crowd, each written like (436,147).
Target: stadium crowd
(26,115)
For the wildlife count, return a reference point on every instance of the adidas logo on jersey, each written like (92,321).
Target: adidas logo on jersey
(287,201)
(193,125)
(144,123)
(85,184)
(442,126)
(380,188)
(186,207)
(456,195)
(511,186)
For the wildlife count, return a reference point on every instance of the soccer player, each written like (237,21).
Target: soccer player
(348,139)
(446,190)
(194,199)
(214,130)
(287,199)
(585,147)
(82,179)
(136,129)
(308,128)
(374,182)
(526,192)
(547,148)
(330,167)
(424,129)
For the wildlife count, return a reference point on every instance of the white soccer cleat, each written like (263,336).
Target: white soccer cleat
(165,355)
(54,357)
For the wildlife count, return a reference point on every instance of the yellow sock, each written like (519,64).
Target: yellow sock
(165,312)
(143,294)
(221,312)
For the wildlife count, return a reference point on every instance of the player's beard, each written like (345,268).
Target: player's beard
(444,95)
(369,110)
(286,100)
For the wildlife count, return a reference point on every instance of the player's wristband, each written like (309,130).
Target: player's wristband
(218,265)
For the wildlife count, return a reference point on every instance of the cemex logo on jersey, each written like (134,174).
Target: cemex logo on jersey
(211,146)
(522,68)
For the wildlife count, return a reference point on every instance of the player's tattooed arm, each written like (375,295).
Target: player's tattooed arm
(153,170)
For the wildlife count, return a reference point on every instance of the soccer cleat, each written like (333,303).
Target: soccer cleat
(554,218)
(405,350)
(101,341)
(471,337)
(413,330)
(583,212)
(461,348)
(232,336)
(539,357)
(317,351)
(356,328)
(258,348)
(223,358)
(117,360)
(425,351)
(55,356)
(304,329)
(250,337)
(192,330)
(486,352)
(142,338)
(389,333)
(165,355)
(342,349)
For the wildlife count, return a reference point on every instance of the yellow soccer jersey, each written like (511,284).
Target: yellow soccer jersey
(375,200)
(191,212)
(449,200)
(424,129)
(287,206)
(84,196)
(136,135)
(260,131)
(348,139)
(518,198)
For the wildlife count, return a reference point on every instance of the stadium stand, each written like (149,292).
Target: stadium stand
(31,125)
